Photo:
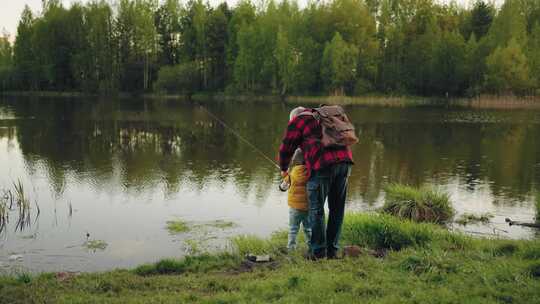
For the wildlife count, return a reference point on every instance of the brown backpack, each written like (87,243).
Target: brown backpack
(337,130)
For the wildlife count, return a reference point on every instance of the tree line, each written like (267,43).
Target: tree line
(351,47)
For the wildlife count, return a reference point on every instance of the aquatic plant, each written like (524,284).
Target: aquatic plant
(221,224)
(418,204)
(177,226)
(469,218)
(95,245)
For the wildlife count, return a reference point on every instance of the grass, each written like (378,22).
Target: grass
(177,226)
(425,264)
(418,204)
(469,218)
(16,199)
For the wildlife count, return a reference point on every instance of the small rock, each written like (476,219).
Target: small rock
(15,257)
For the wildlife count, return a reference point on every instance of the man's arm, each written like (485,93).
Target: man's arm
(291,141)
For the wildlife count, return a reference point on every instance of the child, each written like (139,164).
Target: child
(297,197)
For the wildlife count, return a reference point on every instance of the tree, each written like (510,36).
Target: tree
(6,62)
(508,70)
(450,65)
(101,71)
(218,37)
(24,59)
(168,27)
(481,18)
(339,65)
(182,78)
(287,59)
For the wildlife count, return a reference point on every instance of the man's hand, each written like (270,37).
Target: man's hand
(284,174)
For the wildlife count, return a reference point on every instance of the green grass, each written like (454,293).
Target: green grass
(177,226)
(425,264)
(418,204)
(469,218)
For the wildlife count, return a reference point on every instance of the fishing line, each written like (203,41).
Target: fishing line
(240,137)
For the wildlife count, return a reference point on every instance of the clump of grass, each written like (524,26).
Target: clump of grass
(95,245)
(24,278)
(177,226)
(418,204)
(382,231)
(200,263)
(469,218)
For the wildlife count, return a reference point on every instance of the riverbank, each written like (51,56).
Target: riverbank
(480,102)
(399,261)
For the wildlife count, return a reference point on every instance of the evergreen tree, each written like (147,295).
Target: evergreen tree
(24,59)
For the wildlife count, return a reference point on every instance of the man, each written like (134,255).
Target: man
(329,170)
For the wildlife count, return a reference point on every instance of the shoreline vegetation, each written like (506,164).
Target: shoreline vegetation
(479,102)
(397,261)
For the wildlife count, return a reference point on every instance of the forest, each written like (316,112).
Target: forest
(336,47)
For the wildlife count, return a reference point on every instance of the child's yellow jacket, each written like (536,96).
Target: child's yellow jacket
(298,177)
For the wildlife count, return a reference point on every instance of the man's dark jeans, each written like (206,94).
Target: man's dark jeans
(331,183)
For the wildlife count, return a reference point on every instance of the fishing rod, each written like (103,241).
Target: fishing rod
(233,131)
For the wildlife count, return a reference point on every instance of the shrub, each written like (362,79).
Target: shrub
(421,205)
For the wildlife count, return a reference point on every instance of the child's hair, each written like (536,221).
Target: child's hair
(295,112)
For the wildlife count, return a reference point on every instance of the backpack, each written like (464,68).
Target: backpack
(337,130)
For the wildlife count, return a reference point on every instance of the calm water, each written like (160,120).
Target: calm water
(119,170)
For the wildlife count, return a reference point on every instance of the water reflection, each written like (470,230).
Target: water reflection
(101,164)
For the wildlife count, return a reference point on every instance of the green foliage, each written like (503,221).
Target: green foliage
(343,46)
(508,70)
(421,205)
(481,18)
(182,78)
(338,64)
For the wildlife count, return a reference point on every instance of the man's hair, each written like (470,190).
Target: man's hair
(295,112)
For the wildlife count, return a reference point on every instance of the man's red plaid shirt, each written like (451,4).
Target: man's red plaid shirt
(304,131)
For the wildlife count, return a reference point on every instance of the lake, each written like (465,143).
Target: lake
(109,174)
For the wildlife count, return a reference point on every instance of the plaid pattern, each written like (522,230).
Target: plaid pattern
(305,132)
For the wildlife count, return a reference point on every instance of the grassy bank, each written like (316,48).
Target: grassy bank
(480,102)
(401,262)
